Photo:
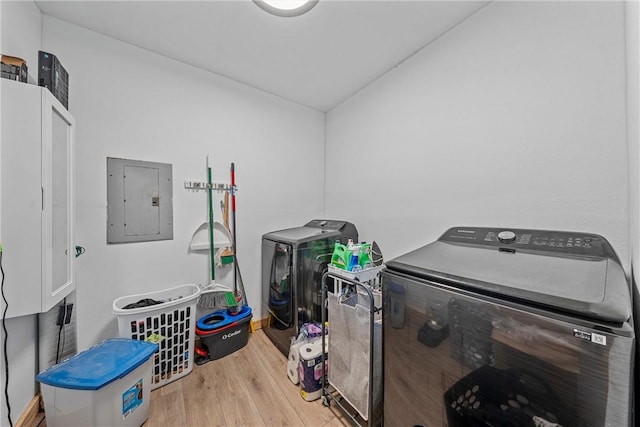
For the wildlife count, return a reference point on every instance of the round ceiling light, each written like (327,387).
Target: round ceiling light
(286,7)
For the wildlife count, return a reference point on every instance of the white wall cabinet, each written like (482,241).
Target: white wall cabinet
(37,198)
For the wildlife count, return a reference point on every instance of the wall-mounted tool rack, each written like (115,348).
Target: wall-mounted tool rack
(203,185)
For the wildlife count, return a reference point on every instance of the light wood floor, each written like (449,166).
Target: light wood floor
(249,387)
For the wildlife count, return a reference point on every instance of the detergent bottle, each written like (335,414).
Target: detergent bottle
(353,256)
(364,258)
(353,262)
(340,258)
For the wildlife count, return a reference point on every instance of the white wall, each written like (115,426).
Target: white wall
(134,104)
(515,118)
(20,36)
(632,14)
(22,33)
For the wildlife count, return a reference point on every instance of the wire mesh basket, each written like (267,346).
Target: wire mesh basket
(169,321)
(370,276)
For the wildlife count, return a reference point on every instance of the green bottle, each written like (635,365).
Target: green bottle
(339,258)
(364,258)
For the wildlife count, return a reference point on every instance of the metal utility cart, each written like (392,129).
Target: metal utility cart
(353,304)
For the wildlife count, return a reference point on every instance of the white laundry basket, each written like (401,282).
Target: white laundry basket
(171,324)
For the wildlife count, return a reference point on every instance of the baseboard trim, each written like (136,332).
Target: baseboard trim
(32,414)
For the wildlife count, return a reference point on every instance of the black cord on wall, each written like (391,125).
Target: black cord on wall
(64,316)
(6,353)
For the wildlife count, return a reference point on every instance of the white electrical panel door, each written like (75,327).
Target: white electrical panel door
(142,200)
(37,210)
(139,201)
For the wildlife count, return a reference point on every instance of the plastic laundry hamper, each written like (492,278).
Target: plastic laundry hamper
(171,324)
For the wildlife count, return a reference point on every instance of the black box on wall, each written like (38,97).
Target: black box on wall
(53,76)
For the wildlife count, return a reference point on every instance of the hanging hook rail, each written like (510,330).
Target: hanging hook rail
(203,185)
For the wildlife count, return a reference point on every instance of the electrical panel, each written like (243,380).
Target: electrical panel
(139,201)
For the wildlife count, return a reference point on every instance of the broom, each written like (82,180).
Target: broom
(214,295)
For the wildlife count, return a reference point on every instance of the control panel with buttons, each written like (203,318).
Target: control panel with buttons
(531,240)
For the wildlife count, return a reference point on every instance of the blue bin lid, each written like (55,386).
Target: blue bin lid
(99,365)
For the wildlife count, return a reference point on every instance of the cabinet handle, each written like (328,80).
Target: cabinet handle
(42,199)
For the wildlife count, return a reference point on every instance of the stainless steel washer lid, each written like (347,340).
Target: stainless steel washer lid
(300,235)
(573,272)
(314,230)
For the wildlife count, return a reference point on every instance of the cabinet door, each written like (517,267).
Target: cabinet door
(21,208)
(58,248)
(37,189)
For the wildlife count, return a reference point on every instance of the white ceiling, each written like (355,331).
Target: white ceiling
(318,59)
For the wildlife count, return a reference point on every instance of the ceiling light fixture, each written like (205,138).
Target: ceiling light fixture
(286,8)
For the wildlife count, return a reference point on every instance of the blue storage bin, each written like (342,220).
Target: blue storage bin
(108,384)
